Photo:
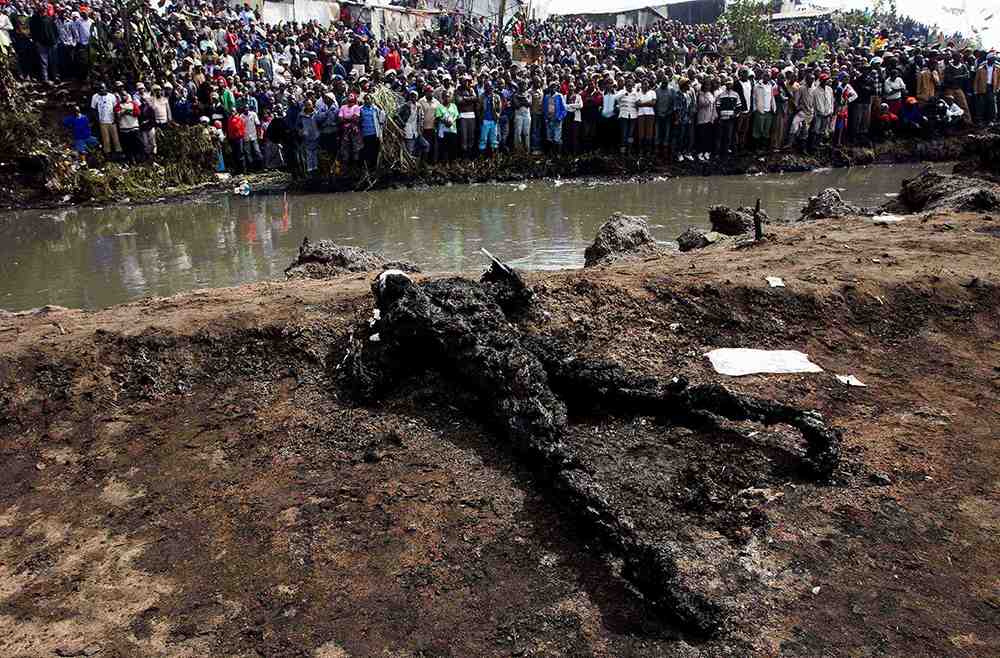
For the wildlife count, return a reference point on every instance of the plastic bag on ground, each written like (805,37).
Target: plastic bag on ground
(737,362)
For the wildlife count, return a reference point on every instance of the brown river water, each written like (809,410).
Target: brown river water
(97,257)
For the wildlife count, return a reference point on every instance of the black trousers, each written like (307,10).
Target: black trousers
(370,149)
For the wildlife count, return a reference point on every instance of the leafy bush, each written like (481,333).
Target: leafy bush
(749,26)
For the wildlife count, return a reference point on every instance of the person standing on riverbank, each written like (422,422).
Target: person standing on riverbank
(45,36)
(822,98)
(372,121)
(448,128)
(235,132)
(251,146)
(127,113)
(466,101)
(349,119)
(986,87)
(554,106)
(727,107)
(806,109)
(956,75)
(428,110)
(105,104)
(664,112)
(411,119)
(490,106)
(645,122)
(705,121)
(763,110)
(522,121)
(83,139)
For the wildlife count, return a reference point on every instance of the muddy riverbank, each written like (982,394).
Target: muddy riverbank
(22,194)
(188,475)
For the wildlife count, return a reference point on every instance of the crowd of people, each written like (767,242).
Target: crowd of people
(286,95)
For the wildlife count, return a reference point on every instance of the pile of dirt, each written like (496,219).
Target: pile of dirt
(621,237)
(828,204)
(325,259)
(933,191)
(734,221)
(984,148)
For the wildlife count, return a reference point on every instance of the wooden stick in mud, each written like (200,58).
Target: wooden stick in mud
(758,226)
(496,260)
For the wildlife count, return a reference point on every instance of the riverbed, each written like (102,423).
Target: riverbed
(96,257)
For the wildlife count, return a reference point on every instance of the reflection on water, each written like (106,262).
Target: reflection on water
(93,258)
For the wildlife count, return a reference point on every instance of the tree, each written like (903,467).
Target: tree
(750,27)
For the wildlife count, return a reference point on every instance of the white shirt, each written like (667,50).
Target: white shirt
(763,97)
(251,122)
(105,106)
(626,105)
(647,97)
(823,100)
(608,105)
(894,89)
(6,27)
(574,105)
(747,94)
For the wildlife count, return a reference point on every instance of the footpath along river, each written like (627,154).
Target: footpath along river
(97,257)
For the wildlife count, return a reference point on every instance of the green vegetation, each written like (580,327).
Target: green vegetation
(748,22)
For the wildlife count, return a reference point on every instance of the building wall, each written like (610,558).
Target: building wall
(698,11)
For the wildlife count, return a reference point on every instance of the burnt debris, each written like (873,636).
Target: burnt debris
(524,385)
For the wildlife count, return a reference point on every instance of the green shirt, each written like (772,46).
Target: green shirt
(228,100)
(448,113)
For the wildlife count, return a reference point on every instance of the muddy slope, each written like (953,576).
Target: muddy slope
(185,476)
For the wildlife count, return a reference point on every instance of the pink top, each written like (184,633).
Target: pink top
(348,113)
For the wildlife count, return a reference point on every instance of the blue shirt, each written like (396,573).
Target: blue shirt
(368,119)
(80,126)
(488,114)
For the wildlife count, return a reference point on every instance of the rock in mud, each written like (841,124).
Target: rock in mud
(828,204)
(622,236)
(733,221)
(931,190)
(324,259)
(697,238)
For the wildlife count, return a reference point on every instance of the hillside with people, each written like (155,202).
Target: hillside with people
(106,98)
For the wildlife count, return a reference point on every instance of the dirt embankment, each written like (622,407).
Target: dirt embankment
(180,178)
(189,476)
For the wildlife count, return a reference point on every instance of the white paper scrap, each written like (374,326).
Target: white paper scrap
(737,362)
(775,281)
(851,380)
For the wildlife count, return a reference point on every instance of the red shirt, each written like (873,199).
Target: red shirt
(317,67)
(393,62)
(236,128)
